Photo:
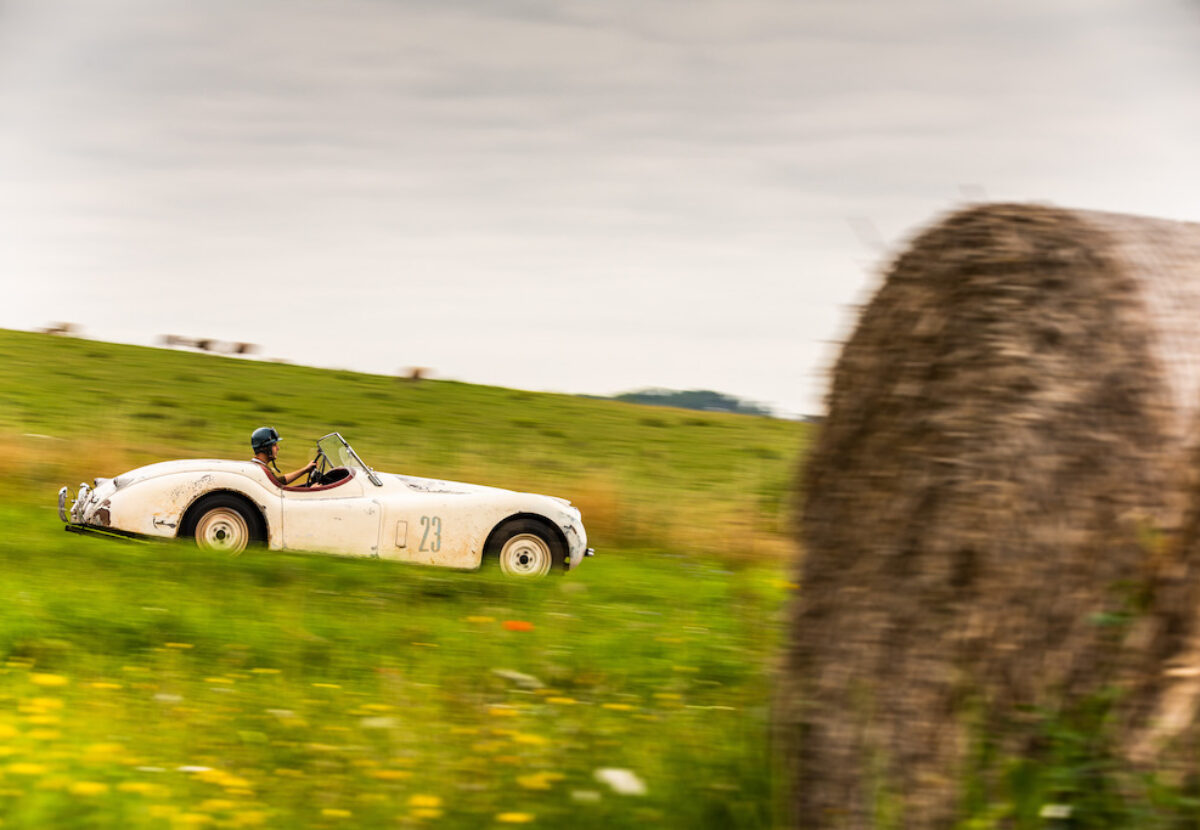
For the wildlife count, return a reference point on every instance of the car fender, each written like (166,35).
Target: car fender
(157,505)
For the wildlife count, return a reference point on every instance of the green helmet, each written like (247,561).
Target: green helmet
(262,438)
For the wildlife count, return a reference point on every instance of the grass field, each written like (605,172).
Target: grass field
(155,685)
(704,482)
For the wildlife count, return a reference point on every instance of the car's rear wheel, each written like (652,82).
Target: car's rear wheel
(224,523)
(526,548)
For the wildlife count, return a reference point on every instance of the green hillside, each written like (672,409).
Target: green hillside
(712,482)
(155,685)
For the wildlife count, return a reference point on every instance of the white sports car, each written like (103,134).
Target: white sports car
(345,508)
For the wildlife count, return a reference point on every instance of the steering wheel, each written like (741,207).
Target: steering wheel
(315,475)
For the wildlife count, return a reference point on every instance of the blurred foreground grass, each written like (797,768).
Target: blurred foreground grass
(155,685)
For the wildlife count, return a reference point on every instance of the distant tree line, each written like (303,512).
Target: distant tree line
(704,400)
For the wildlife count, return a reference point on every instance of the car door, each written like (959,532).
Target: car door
(344,519)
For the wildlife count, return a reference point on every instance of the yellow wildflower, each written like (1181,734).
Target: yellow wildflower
(332,812)
(515,818)
(618,707)
(425,801)
(178,645)
(216,805)
(264,671)
(222,779)
(390,774)
(48,680)
(100,684)
(536,781)
(26,768)
(139,788)
(88,788)
(426,812)
(46,704)
(100,751)
(562,701)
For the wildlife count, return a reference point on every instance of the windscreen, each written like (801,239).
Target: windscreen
(340,454)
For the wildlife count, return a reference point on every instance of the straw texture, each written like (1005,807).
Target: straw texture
(1004,465)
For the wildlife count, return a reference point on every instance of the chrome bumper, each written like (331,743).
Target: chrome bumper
(73,519)
(72,515)
(62,506)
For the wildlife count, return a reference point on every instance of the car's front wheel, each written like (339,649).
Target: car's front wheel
(526,548)
(224,523)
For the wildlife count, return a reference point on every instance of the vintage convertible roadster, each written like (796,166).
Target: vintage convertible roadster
(345,508)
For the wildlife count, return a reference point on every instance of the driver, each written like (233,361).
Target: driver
(265,443)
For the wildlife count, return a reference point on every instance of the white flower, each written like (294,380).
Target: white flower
(622,781)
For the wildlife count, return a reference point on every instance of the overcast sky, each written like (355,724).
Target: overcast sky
(568,195)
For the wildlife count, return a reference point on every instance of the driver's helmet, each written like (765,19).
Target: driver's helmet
(262,438)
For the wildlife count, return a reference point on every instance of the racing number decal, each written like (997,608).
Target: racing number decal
(431,536)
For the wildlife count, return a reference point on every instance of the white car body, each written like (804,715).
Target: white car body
(366,514)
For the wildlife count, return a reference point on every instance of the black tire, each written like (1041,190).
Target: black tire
(525,549)
(224,522)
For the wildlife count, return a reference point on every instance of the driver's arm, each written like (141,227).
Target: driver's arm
(288,478)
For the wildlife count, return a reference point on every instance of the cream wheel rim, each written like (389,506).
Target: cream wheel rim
(223,529)
(526,554)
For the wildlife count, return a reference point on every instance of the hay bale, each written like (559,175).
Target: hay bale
(1007,435)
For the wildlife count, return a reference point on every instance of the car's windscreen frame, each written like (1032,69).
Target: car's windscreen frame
(337,449)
